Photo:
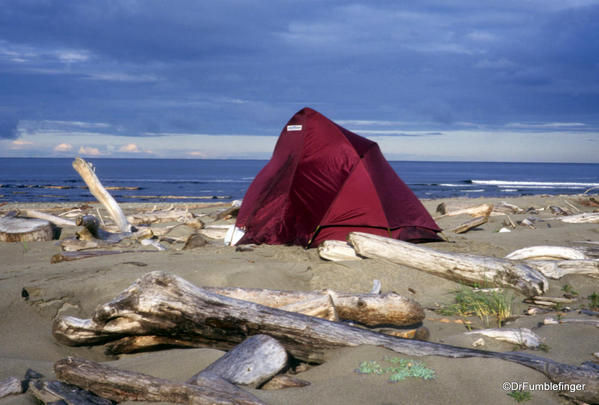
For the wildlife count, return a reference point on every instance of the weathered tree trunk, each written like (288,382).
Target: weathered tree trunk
(13,229)
(164,304)
(483,210)
(58,221)
(454,266)
(253,362)
(473,223)
(86,171)
(120,385)
(367,309)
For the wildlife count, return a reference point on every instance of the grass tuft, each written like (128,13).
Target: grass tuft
(487,305)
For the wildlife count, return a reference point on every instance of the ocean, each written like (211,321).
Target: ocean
(195,180)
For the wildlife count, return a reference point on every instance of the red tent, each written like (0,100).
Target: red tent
(323,182)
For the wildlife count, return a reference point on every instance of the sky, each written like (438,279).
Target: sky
(427,80)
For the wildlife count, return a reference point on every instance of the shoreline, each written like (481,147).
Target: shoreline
(76,288)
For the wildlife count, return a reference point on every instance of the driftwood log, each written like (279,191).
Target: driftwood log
(87,173)
(58,221)
(253,362)
(57,392)
(14,229)
(10,386)
(164,304)
(547,253)
(468,225)
(460,267)
(336,251)
(120,385)
(483,210)
(366,309)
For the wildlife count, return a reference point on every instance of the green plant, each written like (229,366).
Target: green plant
(520,396)
(399,370)
(484,304)
(594,298)
(569,290)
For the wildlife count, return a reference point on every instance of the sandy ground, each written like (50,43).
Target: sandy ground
(77,287)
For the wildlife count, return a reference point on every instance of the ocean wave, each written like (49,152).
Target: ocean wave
(534,184)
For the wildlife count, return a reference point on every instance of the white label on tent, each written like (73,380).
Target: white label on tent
(294,128)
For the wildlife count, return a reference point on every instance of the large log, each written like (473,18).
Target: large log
(164,304)
(460,267)
(121,385)
(253,362)
(367,309)
(87,173)
(13,229)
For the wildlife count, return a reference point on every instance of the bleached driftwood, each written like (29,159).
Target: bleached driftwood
(157,217)
(547,253)
(121,385)
(58,221)
(506,208)
(518,336)
(557,269)
(460,267)
(336,251)
(164,304)
(367,309)
(482,210)
(253,362)
(473,223)
(13,229)
(584,218)
(87,173)
(10,386)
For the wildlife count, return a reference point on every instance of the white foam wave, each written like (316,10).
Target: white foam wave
(534,184)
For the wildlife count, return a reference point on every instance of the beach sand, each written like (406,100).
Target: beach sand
(77,287)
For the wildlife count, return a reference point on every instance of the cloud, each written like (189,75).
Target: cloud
(63,147)
(197,154)
(90,151)
(8,126)
(130,148)
(20,144)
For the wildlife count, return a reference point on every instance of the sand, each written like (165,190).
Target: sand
(77,287)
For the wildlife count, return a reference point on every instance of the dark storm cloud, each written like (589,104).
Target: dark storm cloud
(8,126)
(245,67)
